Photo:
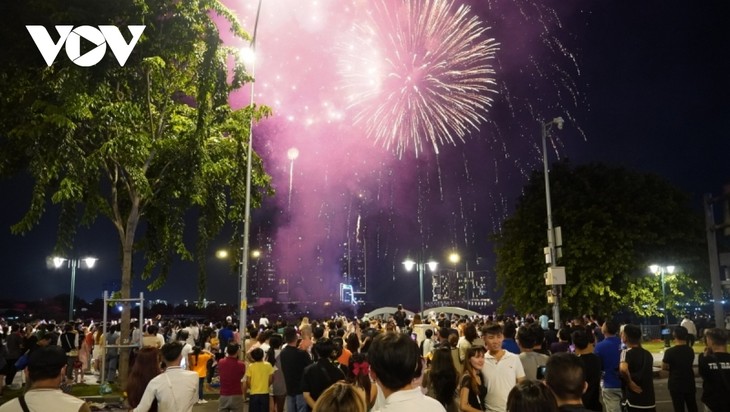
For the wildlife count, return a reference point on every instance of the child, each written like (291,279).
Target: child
(259,376)
(199,363)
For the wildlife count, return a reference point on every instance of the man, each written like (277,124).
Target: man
(293,362)
(609,350)
(231,372)
(427,344)
(508,342)
(636,369)
(46,370)
(688,324)
(502,369)
(394,361)
(565,377)
(400,318)
(714,367)
(176,389)
(591,369)
(531,360)
(320,375)
(678,361)
(263,321)
(543,320)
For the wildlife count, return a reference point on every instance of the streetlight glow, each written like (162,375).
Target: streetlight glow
(73,264)
(454,257)
(409,264)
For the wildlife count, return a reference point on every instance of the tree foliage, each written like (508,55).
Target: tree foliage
(145,145)
(615,223)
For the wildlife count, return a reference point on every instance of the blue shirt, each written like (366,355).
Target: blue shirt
(510,346)
(609,350)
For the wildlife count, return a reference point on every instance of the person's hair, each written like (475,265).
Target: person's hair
(152,329)
(537,333)
(470,332)
(46,362)
(492,328)
(318,332)
(444,333)
(340,397)
(257,354)
(717,335)
(526,337)
(352,343)
(564,334)
(324,348)
(612,327)
(531,396)
(632,333)
(509,330)
(183,335)
(469,369)
(680,333)
(232,349)
(565,376)
(171,351)
(580,339)
(358,372)
(196,353)
(146,366)
(290,334)
(395,359)
(443,375)
(428,333)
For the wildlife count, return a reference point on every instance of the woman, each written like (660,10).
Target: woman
(441,378)
(198,362)
(472,388)
(466,341)
(146,366)
(277,391)
(531,396)
(359,376)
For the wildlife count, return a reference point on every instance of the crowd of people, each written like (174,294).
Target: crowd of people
(392,363)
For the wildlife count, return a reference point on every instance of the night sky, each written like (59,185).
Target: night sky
(641,84)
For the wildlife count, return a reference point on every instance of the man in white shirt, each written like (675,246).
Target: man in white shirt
(688,324)
(394,362)
(176,389)
(502,369)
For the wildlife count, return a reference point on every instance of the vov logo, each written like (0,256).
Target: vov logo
(71,37)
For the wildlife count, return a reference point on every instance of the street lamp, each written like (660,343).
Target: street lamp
(73,264)
(410,264)
(544,131)
(243,307)
(661,271)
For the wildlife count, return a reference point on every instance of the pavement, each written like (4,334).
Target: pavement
(663,399)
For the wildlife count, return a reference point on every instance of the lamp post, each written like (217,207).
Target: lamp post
(420,266)
(73,264)
(243,307)
(544,131)
(661,271)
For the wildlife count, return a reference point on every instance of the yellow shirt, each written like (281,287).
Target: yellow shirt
(201,367)
(257,375)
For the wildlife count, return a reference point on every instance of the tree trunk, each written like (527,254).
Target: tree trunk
(127,249)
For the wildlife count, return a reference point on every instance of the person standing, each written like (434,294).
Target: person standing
(636,369)
(609,350)
(678,361)
(591,367)
(714,367)
(502,369)
(259,377)
(320,375)
(565,377)
(176,389)
(231,372)
(293,361)
(46,372)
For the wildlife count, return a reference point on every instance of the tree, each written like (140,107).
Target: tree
(615,223)
(144,145)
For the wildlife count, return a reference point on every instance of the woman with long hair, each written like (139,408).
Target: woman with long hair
(340,397)
(146,366)
(198,362)
(472,388)
(441,379)
(359,376)
(277,392)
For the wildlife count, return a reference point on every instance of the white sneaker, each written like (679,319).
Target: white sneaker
(203,401)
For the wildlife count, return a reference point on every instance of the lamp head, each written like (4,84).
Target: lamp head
(432,265)
(90,261)
(654,269)
(58,261)
(409,264)
(558,121)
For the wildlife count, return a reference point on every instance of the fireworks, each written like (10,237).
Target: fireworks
(418,74)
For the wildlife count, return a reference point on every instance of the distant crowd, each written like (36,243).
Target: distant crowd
(386,363)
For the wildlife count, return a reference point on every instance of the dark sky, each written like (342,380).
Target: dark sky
(653,78)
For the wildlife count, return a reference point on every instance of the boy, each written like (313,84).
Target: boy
(259,376)
(502,369)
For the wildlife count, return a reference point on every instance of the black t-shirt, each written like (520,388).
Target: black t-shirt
(319,376)
(475,400)
(293,361)
(641,370)
(592,369)
(681,375)
(715,372)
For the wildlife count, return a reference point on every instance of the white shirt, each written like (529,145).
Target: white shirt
(176,390)
(186,351)
(45,400)
(411,400)
(501,377)
(689,325)
(427,347)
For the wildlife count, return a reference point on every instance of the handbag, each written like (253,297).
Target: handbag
(73,352)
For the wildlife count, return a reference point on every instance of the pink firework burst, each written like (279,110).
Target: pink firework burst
(418,72)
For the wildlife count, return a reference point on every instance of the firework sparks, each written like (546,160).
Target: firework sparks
(418,74)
